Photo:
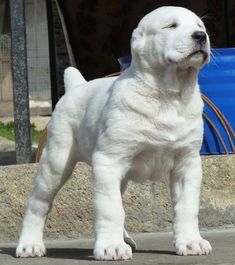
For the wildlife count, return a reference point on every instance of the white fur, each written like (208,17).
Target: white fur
(144,124)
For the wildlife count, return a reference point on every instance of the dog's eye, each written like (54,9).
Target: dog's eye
(200,25)
(171,26)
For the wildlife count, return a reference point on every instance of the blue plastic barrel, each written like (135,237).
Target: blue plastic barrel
(217,82)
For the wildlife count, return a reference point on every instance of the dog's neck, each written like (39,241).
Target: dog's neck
(171,80)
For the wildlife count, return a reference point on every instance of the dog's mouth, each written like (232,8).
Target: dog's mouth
(198,54)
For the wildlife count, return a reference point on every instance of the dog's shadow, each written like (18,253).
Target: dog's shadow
(58,253)
(80,253)
(70,253)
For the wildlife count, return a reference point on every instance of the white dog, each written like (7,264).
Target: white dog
(144,124)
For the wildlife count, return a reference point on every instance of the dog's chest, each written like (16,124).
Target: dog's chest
(167,127)
(151,165)
(161,139)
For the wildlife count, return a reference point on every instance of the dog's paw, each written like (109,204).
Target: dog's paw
(120,251)
(30,250)
(193,247)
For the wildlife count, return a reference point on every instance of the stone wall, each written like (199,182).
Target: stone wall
(147,205)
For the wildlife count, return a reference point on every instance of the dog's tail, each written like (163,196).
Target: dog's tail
(72,78)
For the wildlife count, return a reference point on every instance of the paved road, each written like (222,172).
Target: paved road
(153,248)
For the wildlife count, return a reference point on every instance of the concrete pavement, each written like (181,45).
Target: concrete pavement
(153,248)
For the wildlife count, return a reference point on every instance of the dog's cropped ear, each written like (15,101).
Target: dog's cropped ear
(137,39)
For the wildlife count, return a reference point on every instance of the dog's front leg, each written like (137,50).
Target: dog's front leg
(109,213)
(185,192)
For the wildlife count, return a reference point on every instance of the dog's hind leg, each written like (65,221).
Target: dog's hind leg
(129,240)
(56,165)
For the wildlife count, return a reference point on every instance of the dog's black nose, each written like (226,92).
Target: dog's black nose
(199,36)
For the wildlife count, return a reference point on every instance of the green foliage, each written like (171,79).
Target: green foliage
(7,130)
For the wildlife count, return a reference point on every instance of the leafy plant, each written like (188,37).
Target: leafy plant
(7,130)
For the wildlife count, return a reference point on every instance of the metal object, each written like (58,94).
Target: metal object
(37,51)
(20,82)
(52,52)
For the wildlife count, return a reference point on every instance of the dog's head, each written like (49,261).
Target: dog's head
(170,35)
